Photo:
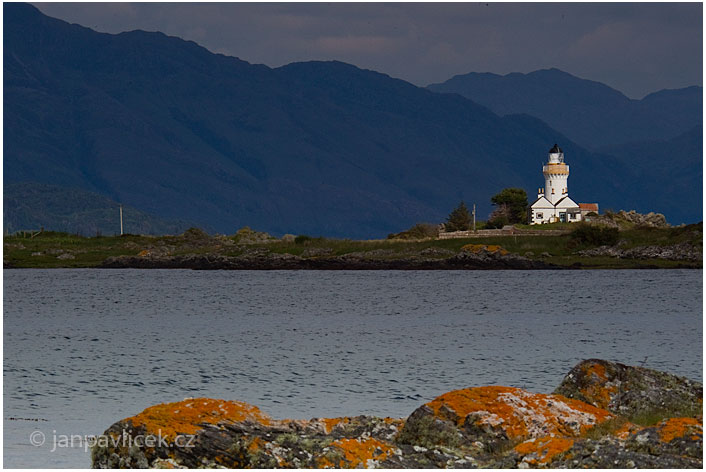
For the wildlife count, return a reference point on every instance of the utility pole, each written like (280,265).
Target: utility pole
(474,217)
(121,220)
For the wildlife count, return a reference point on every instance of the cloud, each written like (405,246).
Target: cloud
(635,47)
(373,45)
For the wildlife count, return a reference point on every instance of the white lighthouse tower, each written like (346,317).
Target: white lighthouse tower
(556,176)
(553,203)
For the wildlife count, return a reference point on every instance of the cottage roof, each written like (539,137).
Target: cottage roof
(542,202)
(566,202)
(589,206)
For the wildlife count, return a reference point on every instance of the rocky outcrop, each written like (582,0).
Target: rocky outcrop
(202,432)
(500,427)
(631,391)
(495,418)
(380,259)
(627,219)
(676,252)
(650,220)
(246,235)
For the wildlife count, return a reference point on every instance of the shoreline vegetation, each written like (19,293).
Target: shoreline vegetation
(603,415)
(612,241)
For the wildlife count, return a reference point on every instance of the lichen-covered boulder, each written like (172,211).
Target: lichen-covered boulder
(491,248)
(203,432)
(491,417)
(675,436)
(673,443)
(632,391)
(483,427)
(540,452)
(493,257)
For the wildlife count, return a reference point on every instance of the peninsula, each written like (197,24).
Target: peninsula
(621,241)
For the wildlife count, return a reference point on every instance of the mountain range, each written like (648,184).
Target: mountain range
(169,128)
(590,113)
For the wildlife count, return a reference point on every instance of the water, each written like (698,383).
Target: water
(85,348)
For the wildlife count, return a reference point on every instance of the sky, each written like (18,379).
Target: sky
(637,48)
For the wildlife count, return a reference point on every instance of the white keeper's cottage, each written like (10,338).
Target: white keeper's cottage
(553,203)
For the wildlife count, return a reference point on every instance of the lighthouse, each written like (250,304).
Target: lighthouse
(556,176)
(553,203)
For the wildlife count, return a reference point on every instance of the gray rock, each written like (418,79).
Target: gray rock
(436,252)
(317,251)
(676,252)
(631,391)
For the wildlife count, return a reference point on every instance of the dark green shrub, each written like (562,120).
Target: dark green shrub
(497,222)
(418,231)
(595,235)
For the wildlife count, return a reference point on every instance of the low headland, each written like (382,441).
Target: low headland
(614,241)
(602,415)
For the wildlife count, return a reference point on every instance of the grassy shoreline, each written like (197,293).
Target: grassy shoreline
(62,250)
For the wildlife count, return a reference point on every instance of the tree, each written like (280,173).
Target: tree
(499,217)
(511,203)
(459,219)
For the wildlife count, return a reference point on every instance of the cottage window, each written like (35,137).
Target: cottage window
(540,215)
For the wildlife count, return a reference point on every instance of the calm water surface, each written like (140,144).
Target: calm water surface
(84,348)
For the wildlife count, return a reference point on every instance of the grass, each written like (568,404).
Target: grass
(607,428)
(88,252)
(642,418)
(654,416)
(560,249)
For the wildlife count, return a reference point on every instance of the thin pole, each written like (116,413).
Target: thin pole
(474,217)
(121,220)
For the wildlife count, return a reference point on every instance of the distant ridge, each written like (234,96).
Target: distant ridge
(588,112)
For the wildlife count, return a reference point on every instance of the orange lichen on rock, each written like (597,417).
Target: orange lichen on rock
(626,430)
(597,369)
(476,248)
(144,253)
(257,444)
(399,422)
(186,417)
(543,450)
(599,392)
(680,427)
(357,452)
(330,423)
(520,414)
